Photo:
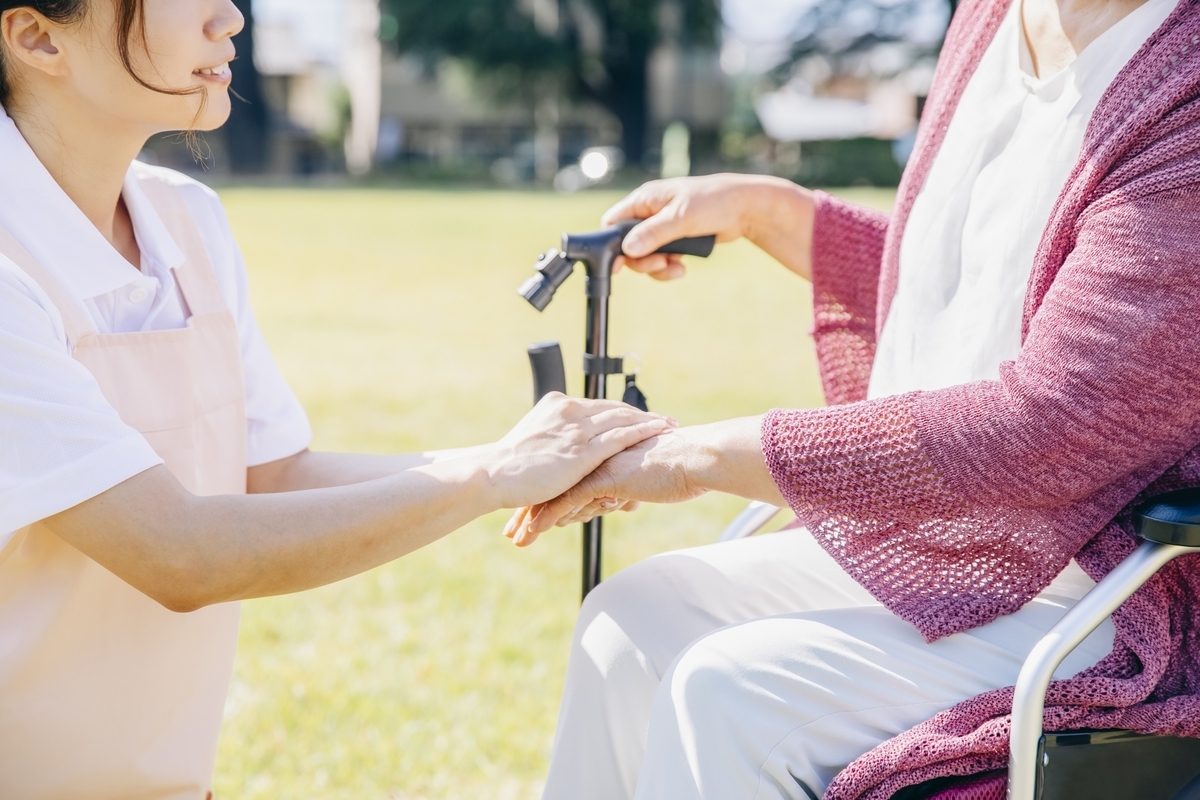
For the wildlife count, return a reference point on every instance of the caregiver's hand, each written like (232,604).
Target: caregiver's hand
(680,465)
(775,214)
(561,441)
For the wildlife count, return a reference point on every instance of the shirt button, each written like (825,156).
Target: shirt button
(138,295)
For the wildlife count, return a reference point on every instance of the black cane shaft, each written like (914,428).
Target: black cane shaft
(592,540)
(596,344)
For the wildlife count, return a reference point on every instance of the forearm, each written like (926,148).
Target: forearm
(187,552)
(727,457)
(315,470)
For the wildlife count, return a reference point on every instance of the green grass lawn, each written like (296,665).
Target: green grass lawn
(394,316)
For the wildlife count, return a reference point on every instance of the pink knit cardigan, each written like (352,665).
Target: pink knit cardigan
(957,506)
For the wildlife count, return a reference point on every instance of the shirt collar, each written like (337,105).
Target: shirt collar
(158,246)
(1096,67)
(55,231)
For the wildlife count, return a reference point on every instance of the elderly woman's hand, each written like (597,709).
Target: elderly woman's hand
(773,213)
(679,465)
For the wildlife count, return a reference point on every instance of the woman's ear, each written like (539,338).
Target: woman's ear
(32,40)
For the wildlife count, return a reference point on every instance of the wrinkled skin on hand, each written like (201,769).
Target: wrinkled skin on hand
(654,471)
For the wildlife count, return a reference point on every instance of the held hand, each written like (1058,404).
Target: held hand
(654,471)
(681,464)
(560,442)
(773,213)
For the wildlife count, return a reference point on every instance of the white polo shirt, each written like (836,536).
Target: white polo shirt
(61,442)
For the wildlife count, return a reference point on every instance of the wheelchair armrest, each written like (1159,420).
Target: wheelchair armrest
(749,521)
(1169,525)
(1171,518)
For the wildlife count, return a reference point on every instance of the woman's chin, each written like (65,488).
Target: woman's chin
(215,114)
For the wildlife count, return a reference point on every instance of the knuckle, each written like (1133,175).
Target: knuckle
(550,400)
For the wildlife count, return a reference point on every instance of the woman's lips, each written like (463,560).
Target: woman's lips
(218,74)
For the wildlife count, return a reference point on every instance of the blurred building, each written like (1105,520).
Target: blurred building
(305,99)
(848,108)
(834,113)
(831,92)
(361,65)
(433,114)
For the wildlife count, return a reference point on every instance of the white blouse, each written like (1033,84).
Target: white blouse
(969,244)
(61,443)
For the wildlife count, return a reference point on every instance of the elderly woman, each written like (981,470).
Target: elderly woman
(1011,362)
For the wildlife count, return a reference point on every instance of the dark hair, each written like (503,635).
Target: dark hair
(130,21)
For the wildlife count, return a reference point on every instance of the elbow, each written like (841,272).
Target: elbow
(190,569)
(180,603)
(180,597)
(181,581)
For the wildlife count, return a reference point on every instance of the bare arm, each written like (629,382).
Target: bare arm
(309,470)
(775,214)
(187,552)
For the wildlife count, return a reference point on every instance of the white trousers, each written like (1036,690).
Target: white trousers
(759,669)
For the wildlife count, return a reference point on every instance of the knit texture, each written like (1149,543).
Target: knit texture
(988,786)
(845,294)
(957,506)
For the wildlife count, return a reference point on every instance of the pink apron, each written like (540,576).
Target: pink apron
(103,692)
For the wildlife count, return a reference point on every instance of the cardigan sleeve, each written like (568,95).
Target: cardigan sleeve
(956,506)
(847,251)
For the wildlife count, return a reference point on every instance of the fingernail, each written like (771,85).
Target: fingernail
(659,424)
(609,504)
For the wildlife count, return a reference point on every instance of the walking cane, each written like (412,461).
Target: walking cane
(596,251)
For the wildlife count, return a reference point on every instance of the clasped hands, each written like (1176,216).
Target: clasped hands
(676,465)
(683,463)
(655,470)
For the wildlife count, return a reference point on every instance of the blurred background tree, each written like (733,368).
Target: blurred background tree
(544,51)
(841,31)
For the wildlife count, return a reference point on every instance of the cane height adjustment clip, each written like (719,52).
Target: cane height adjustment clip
(602,365)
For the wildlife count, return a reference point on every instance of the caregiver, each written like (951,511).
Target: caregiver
(139,406)
(1012,359)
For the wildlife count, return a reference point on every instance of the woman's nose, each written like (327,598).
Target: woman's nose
(226,21)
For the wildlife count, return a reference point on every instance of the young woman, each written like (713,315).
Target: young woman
(153,463)
(1013,360)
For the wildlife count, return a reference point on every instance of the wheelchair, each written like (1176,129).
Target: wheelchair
(1088,764)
